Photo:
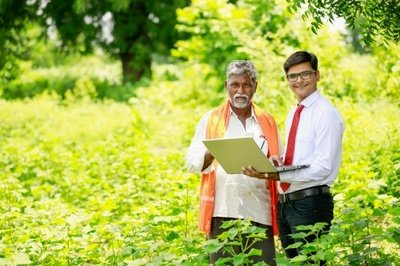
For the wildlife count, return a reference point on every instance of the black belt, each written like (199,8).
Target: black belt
(301,194)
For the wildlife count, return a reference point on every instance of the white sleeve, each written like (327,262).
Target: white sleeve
(196,150)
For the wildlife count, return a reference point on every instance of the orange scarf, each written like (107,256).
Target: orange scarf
(216,128)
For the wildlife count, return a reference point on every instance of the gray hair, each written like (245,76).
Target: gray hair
(240,67)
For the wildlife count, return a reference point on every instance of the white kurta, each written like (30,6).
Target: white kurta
(237,196)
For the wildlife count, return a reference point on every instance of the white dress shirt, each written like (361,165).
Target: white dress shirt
(237,195)
(318,143)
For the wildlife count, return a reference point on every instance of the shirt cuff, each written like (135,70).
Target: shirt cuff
(286,176)
(209,169)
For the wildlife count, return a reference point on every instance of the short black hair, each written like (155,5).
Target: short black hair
(301,57)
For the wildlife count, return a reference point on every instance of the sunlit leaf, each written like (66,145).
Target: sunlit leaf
(213,246)
(22,259)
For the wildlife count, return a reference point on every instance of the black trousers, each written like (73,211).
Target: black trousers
(307,211)
(267,246)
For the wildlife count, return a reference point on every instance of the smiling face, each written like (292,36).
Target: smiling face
(303,87)
(241,89)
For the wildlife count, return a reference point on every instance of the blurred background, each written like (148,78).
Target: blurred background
(99,101)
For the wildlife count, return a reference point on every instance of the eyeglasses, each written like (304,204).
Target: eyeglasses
(304,75)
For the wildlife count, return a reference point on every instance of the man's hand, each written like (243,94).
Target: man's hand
(276,160)
(250,171)
(208,159)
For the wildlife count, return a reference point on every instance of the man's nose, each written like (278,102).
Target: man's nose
(241,89)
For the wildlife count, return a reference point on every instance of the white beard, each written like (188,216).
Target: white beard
(239,103)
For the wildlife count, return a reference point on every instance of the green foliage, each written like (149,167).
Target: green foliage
(132,31)
(312,252)
(91,190)
(86,77)
(14,16)
(365,230)
(388,71)
(222,31)
(237,242)
(353,240)
(377,20)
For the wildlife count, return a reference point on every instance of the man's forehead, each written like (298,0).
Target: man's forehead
(239,76)
(300,66)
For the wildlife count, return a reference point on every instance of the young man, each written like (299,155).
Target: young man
(314,131)
(235,196)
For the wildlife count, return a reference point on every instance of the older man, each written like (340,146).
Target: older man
(236,196)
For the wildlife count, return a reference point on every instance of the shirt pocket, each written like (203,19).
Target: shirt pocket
(304,145)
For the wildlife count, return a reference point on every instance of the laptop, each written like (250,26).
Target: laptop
(234,153)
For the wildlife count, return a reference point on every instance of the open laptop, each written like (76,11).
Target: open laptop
(234,153)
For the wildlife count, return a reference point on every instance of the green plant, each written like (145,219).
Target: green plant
(315,251)
(237,242)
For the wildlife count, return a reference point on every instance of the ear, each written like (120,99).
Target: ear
(255,86)
(226,85)
(317,75)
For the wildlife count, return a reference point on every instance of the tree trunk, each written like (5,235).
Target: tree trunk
(135,67)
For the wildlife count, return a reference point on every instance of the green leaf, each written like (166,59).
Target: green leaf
(213,245)
(21,258)
(239,259)
(232,233)
(223,261)
(172,236)
(299,235)
(228,224)
(4,261)
(299,258)
(295,245)
(255,252)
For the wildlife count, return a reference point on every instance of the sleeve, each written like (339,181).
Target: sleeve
(281,149)
(196,150)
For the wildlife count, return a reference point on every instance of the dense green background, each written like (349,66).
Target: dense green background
(92,169)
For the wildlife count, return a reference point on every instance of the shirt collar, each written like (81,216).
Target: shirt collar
(253,114)
(307,102)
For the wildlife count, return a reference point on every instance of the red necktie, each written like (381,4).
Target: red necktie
(291,142)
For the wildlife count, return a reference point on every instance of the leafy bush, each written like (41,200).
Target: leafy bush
(88,77)
(237,242)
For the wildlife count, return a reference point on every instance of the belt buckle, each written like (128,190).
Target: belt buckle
(284,198)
